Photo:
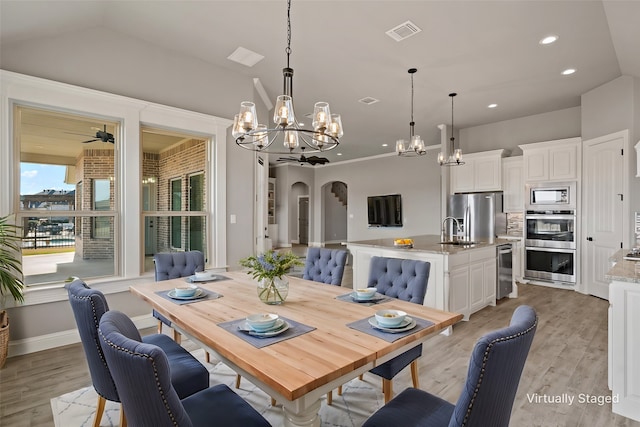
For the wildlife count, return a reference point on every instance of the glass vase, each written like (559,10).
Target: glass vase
(273,291)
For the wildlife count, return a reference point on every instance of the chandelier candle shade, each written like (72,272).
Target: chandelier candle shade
(415,145)
(454,157)
(326,127)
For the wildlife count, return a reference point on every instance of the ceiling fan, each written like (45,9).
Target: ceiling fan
(312,160)
(101,135)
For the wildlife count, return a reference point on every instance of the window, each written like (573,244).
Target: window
(102,226)
(52,136)
(176,221)
(174,193)
(72,224)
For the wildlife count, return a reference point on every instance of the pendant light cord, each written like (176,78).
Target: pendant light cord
(452,139)
(412,122)
(288,49)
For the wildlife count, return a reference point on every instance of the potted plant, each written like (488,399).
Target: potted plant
(10,277)
(269,268)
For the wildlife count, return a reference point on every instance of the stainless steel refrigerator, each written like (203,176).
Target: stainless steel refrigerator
(479,215)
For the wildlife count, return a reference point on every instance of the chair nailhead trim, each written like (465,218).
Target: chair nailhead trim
(484,363)
(96,323)
(155,374)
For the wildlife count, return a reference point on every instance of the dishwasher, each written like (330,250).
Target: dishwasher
(504,282)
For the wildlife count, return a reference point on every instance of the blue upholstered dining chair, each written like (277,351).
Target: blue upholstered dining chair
(89,305)
(406,280)
(492,380)
(325,265)
(171,265)
(141,372)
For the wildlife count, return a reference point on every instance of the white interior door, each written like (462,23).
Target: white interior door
(603,208)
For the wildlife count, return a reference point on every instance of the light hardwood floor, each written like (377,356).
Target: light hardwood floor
(569,355)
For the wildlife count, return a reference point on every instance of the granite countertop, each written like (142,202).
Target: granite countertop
(624,270)
(428,243)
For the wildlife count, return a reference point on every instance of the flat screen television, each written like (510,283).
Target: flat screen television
(384,211)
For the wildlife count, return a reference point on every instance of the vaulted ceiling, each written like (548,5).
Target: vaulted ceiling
(486,51)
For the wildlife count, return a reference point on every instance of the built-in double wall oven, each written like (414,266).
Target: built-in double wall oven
(550,233)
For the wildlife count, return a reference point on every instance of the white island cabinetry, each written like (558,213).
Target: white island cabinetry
(461,280)
(472,278)
(624,337)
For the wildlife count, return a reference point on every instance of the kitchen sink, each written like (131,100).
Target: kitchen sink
(459,243)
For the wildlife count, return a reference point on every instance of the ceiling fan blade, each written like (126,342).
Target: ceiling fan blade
(317,160)
(91,140)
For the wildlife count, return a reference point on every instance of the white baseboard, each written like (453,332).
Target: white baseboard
(62,338)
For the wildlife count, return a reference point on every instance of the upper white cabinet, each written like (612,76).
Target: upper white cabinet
(551,160)
(480,172)
(513,184)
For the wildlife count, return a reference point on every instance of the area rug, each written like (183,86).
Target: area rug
(359,400)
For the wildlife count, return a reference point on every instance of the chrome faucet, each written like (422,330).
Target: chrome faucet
(443,232)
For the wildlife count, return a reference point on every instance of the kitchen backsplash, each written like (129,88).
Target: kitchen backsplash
(515,223)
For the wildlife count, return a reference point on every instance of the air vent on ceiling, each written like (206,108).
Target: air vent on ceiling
(368,100)
(403,31)
(245,57)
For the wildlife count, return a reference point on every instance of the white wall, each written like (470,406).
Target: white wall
(509,134)
(416,179)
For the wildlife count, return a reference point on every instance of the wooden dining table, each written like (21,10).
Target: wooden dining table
(298,371)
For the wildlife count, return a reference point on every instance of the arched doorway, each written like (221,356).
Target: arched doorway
(334,212)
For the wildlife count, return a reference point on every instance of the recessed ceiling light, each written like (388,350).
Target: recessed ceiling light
(492,105)
(385,145)
(338,154)
(568,71)
(551,38)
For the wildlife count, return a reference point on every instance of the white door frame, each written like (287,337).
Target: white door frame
(587,257)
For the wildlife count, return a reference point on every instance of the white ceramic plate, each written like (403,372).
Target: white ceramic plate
(209,278)
(280,326)
(199,294)
(407,324)
(376,297)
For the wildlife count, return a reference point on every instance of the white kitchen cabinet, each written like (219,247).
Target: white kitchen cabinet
(557,160)
(472,280)
(513,184)
(481,172)
(459,289)
(624,348)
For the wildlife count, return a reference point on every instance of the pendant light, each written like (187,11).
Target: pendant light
(326,127)
(415,146)
(454,157)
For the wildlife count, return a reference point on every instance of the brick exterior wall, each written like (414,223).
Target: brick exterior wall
(179,162)
(94,164)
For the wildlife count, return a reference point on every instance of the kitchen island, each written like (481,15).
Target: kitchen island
(462,278)
(624,335)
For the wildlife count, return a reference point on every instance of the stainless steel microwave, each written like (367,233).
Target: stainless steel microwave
(551,195)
